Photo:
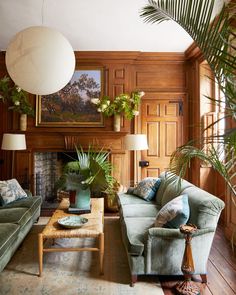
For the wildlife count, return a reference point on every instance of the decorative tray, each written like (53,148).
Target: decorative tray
(72,221)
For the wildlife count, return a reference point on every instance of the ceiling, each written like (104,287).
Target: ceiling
(95,25)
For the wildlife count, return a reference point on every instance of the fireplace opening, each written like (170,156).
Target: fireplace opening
(48,167)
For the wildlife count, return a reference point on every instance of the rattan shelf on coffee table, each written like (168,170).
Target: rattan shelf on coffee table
(92,229)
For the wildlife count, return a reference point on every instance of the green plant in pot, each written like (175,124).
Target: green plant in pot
(91,171)
(17,97)
(17,100)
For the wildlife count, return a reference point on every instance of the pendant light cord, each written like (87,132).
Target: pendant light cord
(42,12)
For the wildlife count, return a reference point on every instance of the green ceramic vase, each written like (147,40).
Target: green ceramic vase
(82,199)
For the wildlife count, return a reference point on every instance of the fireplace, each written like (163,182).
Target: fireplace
(48,167)
(40,166)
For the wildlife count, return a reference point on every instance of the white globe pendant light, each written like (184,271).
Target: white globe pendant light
(40,60)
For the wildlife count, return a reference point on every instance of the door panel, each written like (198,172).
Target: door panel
(153,128)
(162,121)
(171,137)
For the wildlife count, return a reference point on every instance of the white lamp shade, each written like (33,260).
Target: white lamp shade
(40,60)
(13,142)
(136,142)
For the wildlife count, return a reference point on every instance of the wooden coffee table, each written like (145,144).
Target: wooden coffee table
(92,229)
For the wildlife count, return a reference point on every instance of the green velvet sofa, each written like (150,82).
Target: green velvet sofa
(16,219)
(159,251)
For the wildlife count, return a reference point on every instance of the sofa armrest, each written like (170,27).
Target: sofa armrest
(164,250)
(172,233)
(28,192)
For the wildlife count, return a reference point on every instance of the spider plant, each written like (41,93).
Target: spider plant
(216,40)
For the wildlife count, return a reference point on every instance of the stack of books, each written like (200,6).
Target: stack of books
(76,210)
(79,210)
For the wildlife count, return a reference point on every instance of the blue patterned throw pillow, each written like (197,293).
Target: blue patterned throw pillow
(10,191)
(147,188)
(174,213)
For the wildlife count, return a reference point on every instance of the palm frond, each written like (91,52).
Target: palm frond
(224,163)
(216,39)
(90,168)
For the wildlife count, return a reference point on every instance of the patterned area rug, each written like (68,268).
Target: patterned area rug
(74,273)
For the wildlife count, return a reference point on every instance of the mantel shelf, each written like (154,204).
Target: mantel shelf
(84,132)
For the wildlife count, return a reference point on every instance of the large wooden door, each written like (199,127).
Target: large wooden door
(162,121)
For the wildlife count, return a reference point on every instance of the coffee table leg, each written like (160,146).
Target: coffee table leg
(40,253)
(101,252)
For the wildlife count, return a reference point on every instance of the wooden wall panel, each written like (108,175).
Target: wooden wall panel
(119,73)
(23,168)
(165,77)
(197,85)
(123,72)
(120,170)
(117,89)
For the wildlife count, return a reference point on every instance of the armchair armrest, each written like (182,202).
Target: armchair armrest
(172,233)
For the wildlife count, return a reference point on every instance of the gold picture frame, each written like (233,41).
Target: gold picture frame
(72,106)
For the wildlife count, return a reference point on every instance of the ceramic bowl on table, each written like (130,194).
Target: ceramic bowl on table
(72,221)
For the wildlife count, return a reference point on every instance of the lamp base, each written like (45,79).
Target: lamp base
(187,287)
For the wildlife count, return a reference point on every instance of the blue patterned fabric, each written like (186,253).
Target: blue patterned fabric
(174,213)
(10,191)
(147,188)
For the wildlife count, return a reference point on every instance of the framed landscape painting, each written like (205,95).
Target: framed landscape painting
(72,106)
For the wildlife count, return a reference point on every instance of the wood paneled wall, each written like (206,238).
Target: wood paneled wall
(123,72)
(163,79)
(202,176)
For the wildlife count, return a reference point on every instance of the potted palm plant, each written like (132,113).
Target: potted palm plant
(216,39)
(90,171)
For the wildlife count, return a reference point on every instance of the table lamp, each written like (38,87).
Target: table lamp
(135,142)
(13,142)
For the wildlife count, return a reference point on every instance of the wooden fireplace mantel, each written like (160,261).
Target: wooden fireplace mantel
(112,141)
(59,142)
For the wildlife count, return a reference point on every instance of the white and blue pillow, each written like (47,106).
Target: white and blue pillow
(147,188)
(10,191)
(174,213)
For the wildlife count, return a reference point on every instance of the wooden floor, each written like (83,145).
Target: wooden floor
(221,270)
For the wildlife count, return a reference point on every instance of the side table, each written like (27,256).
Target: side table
(187,287)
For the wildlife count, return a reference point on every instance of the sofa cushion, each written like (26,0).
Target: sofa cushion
(30,202)
(170,188)
(135,233)
(15,215)
(174,189)
(10,190)
(147,188)
(137,210)
(8,234)
(126,199)
(174,213)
